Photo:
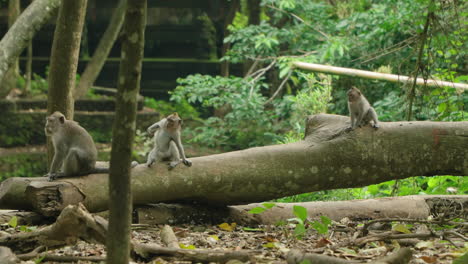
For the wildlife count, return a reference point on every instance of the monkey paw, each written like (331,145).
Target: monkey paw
(375,126)
(187,163)
(51,176)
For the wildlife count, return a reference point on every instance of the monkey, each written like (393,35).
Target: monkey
(75,151)
(167,142)
(360,110)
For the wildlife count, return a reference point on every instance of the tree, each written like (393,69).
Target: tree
(328,158)
(120,193)
(9,81)
(94,66)
(64,57)
(22,31)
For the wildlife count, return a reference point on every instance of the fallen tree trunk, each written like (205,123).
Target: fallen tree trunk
(328,158)
(402,207)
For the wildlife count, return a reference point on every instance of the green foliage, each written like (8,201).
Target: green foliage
(248,123)
(259,209)
(412,186)
(23,228)
(302,224)
(183,108)
(300,221)
(322,226)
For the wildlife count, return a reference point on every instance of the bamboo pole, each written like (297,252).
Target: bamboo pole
(375,75)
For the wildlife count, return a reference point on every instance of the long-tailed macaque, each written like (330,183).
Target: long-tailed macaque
(167,142)
(360,110)
(75,152)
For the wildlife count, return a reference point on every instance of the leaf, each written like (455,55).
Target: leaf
(271,245)
(321,228)
(300,212)
(299,231)
(461,260)
(269,205)
(183,246)
(327,221)
(429,259)
(227,227)
(424,244)
(13,222)
(250,229)
(257,210)
(401,228)
(442,107)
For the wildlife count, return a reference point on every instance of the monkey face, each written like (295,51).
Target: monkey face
(353,94)
(53,123)
(173,123)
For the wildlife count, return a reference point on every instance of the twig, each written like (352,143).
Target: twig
(418,63)
(300,19)
(279,88)
(257,75)
(252,68)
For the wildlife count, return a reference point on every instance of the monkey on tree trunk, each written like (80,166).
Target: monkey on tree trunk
(360,110)
(75,152)
(167,142)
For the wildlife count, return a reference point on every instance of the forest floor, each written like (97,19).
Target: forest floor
(270,244)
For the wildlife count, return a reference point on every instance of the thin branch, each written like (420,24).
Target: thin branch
(252,68)
(279,88)
(412,93)
(300,19)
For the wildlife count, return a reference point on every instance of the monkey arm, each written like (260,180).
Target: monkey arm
(178,142)
(155,126)
(57,161)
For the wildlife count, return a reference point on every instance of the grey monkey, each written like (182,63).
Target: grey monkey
(360,110)
(75,151)
(167,142)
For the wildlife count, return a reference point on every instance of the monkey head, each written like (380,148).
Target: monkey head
(53,123)
(353,94)
(173,121)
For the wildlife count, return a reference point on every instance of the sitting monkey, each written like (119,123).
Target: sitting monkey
(75,152)
(167,143)
(360,110)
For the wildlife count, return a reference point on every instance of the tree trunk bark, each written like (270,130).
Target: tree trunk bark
(64,57)
(19,35)
(9,81)
(101,53)
(64,61)
(328,158)
(233,7)
(120,193)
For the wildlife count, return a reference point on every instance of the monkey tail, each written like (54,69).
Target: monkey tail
(106,169)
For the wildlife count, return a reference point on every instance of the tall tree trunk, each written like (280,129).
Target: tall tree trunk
(19,35)
(9,81)
(233,7)
(254,12)
(64,57)
(120,195)
(254,19)
(94,66)
(64,60)
(328,158)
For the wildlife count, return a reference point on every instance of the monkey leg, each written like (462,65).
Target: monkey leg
(373,117)
(187,162)
(151,157)
(174,155)
(76,163)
